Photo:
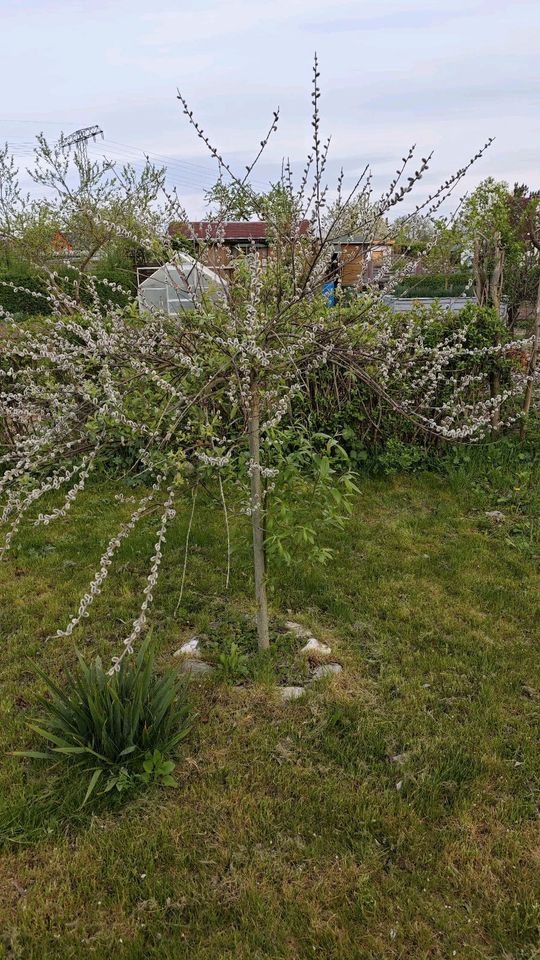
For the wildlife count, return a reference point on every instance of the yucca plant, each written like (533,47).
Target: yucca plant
(111,725)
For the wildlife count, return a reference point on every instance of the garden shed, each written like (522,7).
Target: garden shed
(176,286)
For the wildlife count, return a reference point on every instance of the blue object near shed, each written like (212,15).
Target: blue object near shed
(329,291)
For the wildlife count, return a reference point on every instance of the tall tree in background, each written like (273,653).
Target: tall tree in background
(444,251)
(27,225)
(492,241)
(95,207)
(529,221)
(493,244)
(521,281)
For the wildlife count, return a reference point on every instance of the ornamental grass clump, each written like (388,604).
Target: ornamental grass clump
(115,728)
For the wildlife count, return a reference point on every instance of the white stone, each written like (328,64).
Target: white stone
(399,758)
(316,646)
(191,647)
(496,515)
(298,629)
(291,693)
(326,670)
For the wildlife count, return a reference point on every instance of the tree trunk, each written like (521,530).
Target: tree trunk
(531,370)
(479,272)
(494,294)
(263,639)
(496,278)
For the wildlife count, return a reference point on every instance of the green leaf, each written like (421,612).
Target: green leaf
(47,735)
(169,781)
(167,767)
(93,781)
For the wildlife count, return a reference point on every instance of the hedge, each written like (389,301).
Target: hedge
(433,285)
(17,289)
(21,300)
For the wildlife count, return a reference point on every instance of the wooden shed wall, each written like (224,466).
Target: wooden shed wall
(352,263)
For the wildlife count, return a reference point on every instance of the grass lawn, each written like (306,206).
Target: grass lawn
(292,833)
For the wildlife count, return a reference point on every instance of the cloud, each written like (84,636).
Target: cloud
(443,73)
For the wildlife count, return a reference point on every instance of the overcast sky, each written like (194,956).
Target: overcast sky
(446,74)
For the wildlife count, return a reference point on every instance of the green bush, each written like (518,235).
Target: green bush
(341,405)
(24,293)
(399,457)
(232,665)
(17,296)
(433,285)
(122,727)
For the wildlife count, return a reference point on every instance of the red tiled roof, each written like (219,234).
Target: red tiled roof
(233,230)
(61,243)
(253,230)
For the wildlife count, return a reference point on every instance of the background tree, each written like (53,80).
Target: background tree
(231,201)
(492,239)
(414,232)
(521,281)
(528,218)
(493,246)
(445,249)
(93,208)
(27,226)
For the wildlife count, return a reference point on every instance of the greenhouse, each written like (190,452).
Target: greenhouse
(178,286)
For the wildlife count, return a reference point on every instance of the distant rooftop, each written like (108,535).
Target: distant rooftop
(237,230)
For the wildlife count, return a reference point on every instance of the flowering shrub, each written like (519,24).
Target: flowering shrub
(201,394)
(460,352)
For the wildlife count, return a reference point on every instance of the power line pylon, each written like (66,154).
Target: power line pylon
(80,138)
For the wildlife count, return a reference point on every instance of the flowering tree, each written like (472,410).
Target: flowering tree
(92,204)
(210,389)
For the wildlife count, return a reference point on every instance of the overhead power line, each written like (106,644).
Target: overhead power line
(81,136)
(183,174)
(183,165)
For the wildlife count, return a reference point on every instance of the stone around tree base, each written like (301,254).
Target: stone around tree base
(291,693)
(326,670)
(315,646)
(190,665)
(191,647)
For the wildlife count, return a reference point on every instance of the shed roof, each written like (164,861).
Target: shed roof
(231,230)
